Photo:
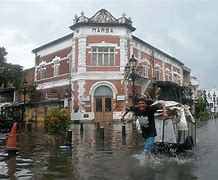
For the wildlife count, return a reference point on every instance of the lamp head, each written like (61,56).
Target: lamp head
(126,69)
(214,95)
(132,60)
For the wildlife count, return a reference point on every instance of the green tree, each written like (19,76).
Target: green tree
(10,74)
(3,54)
(32,93)
(200,109)
(200,103)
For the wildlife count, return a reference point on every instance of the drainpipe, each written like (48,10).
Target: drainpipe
(153,66)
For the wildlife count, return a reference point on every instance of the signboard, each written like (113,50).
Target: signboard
(102,30)
(121,97)
(52,96)
(85,98)
(66,102)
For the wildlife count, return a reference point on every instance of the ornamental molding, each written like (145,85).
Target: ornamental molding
(157,66)
(55,59)
(101,17)
(167,70)
(176,73)
(42,63)
(146,61)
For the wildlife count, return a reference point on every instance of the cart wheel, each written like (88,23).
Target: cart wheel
(189,143)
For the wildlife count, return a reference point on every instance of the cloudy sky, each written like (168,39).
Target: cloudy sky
(187,30)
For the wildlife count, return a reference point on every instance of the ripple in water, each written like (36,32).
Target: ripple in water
(155,161)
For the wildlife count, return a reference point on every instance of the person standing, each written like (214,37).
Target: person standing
(145,115)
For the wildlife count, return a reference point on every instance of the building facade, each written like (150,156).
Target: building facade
(84,71)
(212,99)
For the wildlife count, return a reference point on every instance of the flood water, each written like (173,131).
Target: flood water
(112,158)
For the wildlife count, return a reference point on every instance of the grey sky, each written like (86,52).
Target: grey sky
(186,30)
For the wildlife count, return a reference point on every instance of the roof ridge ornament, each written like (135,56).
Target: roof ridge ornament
(102,17)
(82,13)
(123,14)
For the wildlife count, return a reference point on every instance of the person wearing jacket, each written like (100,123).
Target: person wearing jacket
(145,115)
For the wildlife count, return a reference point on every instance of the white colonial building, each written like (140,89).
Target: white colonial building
(85,69)
(212,99)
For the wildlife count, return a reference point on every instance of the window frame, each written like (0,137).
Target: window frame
(56,69)
(176,78)
(167,75)
(42,71)
(145,66)
(158,73)
(104,56)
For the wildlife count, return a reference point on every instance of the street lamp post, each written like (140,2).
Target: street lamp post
(133,72)
(205,99)
(214,102)
(67,96)
(190,93)
(24,88)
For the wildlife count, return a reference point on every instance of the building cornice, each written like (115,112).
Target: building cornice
(157,50)
(102,18)
(53,43)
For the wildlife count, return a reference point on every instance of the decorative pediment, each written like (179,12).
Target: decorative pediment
(103,16)
(56,59)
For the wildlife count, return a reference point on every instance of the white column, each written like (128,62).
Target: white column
(82,55)
(123,53)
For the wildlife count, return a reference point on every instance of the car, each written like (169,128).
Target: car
(6,124)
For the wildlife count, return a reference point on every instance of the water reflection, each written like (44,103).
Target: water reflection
(112,156)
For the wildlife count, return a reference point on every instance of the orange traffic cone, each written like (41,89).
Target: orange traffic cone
(11,143)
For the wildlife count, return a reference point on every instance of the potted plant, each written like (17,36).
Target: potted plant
(57,123)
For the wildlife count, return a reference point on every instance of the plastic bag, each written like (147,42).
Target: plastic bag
(138,127)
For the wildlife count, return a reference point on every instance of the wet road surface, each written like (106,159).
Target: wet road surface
(112,158)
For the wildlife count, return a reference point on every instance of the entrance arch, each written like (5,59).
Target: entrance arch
(103,101)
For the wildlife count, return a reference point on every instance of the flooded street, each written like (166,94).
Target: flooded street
(207,150)
(112,158)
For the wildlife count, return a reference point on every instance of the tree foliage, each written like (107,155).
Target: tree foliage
(200,107)
(30,90)
(3,54)
(10,74)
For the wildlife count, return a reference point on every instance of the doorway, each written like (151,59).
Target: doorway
(103,101)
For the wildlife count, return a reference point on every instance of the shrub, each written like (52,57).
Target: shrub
(57,121)
(202,114)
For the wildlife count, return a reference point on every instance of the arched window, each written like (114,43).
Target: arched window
(157,72)
(103,91)
(167,75)
(42,71)
(176,78)
(56,65)
(145,65)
